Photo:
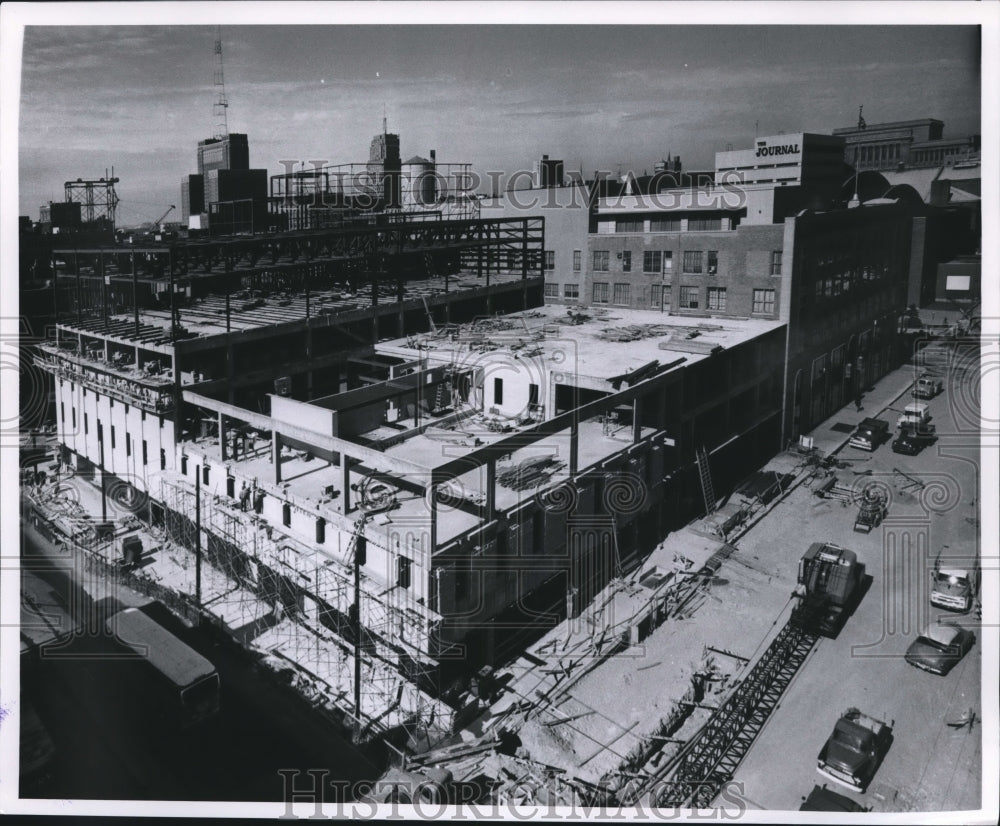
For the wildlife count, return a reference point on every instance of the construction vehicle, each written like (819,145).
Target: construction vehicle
(954,587)
(872,509)
(854,751)
(870,434)
(829,587)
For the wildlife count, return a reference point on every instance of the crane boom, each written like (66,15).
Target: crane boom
(164,215)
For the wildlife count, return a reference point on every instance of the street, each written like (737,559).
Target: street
(930,766)
(107,748)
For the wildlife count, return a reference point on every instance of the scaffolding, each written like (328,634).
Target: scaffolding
(293,602)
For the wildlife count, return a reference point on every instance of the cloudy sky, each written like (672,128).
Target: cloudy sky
(498,97)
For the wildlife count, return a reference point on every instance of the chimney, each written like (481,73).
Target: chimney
(677,163)
(433,156)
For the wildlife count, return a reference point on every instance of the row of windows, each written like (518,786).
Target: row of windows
(876,154)
(689,297)
(661,225)
(662,261)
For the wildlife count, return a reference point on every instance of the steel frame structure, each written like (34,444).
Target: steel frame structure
(98,198)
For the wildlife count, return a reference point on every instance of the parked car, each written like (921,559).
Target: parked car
(927,387)
(911,441)
(940,647)
(821,799)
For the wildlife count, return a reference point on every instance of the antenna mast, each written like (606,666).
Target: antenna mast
(221,105)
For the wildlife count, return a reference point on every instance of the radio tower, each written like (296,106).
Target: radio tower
(221,105)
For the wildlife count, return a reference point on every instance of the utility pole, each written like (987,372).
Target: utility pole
(360,550)
(197,535)
(104,489)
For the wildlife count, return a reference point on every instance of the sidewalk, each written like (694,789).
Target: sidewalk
(892,390)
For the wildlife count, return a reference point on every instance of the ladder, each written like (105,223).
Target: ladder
(705,474)
(359,529)
(440,397)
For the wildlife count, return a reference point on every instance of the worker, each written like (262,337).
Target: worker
(244,496)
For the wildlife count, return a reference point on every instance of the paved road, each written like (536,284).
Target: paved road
(107,749)
(930,766)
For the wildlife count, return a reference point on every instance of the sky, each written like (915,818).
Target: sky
(498,97)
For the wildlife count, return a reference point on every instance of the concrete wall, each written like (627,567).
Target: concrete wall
(132,427)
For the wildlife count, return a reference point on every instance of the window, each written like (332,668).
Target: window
(626,261)
(776,262)
(550,259)
(652,261)
(763,301)
(689,298)
(623,294)
(551,290)
(717,298)
(577,256)
(73,411)
(128,444)
(533,393)
(665,225)
(112,437)
(704,224)
(86,424)
(571,290)
(654,295)
(163,459)
(145,452)
(62,412)
(601,292)
(497,391)
(692,261)
(601,258)
(402,572)
(668,260)
(628,225)
(666,295)
(713,262)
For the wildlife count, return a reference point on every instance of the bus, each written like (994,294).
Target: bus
(175,678)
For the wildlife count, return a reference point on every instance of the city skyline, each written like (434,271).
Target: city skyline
(599,97)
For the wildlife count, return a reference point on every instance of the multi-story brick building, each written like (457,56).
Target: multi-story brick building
(769,238)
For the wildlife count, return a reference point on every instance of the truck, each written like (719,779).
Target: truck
(175,683)
(829,587)
(953,586)
(927,387)
(870,434)
(854,750)
(916,416)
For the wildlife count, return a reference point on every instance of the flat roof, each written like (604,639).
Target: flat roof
(603,342)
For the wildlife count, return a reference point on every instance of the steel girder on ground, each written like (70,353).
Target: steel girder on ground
(707,761)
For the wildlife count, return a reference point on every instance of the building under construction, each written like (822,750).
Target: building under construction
(381,433)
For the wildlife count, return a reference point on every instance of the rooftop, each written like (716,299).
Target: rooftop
(594,342)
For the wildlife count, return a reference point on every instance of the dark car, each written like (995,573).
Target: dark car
(911,441)
(821,799)
(940,647)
